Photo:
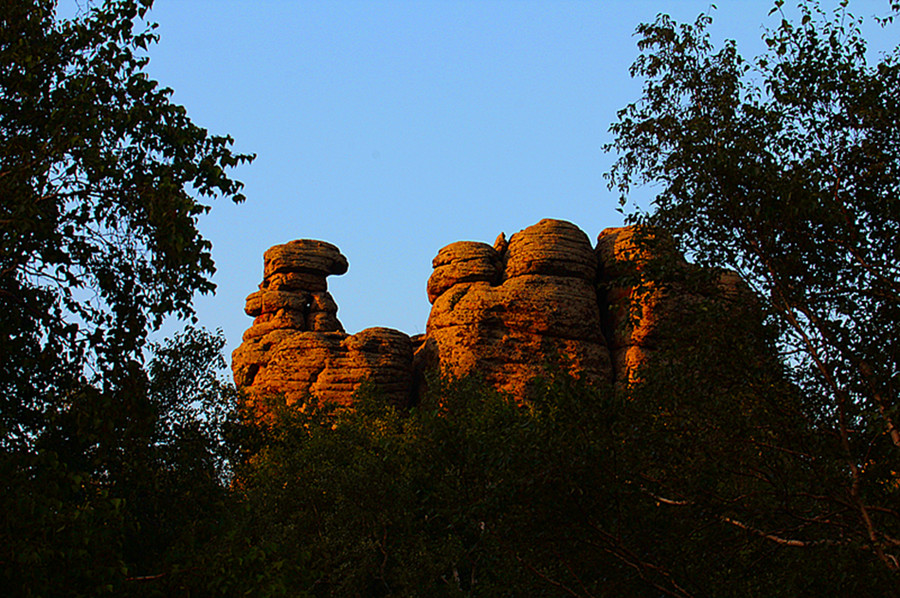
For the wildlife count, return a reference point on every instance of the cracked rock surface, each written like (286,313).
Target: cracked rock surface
(529,304)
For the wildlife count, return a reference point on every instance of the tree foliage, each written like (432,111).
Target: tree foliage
(579,492)
(123,504)
(787,168)
(106,465)
(99,179)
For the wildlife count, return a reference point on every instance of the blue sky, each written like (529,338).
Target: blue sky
(394,128)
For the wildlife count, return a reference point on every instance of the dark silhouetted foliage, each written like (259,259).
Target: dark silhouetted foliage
(786,168)
(104,468)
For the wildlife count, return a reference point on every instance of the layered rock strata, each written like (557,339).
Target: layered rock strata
(507,312)
(296,346)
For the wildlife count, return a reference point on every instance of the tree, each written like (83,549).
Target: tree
(786,168)
(469,494)
(101,178)
(175,496)
(77,520)
(582,491)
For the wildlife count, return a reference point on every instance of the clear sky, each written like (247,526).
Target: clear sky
(394,128)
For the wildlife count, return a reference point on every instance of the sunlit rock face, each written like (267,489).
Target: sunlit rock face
(296,346)
(505,312)
(640,311)
(293,294)
(632,312)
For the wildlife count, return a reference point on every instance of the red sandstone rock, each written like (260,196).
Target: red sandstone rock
(266,302)
(501,244)
(551,247)
(296,346)
(505,312)
(326,366)
(293,282)
(463,261)
(304,255)
(641,310)
(544,311)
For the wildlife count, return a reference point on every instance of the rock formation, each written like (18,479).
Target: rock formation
(508,314)
(640,309)
(504,312)
(296,345)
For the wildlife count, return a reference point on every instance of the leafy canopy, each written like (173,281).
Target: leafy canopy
(110,472)
(100,180)
(787,168)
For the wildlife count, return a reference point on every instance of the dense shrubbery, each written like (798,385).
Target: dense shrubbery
(672,487)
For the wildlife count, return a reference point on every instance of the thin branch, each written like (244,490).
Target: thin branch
(779,539)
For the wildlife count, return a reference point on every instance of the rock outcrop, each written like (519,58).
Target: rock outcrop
(508,314)
(643,309)
(296,345)
(505,312)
